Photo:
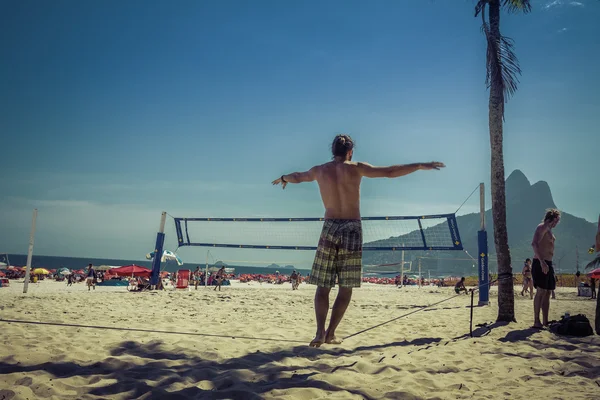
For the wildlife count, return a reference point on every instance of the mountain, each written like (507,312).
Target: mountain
(525,207)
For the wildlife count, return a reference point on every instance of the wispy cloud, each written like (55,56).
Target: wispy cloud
(563,30)
(560,3)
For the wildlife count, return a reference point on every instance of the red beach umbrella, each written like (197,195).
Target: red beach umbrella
(594,273)
(130,270)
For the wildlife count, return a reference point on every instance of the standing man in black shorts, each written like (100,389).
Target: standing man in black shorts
(339,252)
(541,269)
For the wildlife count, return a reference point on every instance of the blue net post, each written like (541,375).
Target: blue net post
(484,276)
(158,251)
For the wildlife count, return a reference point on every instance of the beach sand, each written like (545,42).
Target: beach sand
(250,341)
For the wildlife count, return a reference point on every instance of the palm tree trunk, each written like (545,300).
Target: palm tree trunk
(506,305)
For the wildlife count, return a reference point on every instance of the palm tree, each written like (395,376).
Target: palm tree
(502,70)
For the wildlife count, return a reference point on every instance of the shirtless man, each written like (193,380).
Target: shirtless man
(339,252)
(595,263)
(460,286)
(527,280)
(541,269)
(598,237)
(294,280)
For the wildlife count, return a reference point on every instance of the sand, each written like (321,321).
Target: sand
(250,341)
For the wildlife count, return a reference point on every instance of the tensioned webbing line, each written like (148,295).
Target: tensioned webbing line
(234,336)
(16,321)
(425,307)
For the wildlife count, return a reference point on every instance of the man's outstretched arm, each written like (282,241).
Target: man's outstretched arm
(395,171)
(296,177)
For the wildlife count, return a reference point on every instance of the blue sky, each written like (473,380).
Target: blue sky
(111,112)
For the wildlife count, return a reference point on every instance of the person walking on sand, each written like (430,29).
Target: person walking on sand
(542,271)
(527,280)
(339,251)
(197,273)
(91,277)
(220,277)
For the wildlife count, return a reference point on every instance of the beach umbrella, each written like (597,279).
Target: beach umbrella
(40,271)
(166,257)
(594,274)
(64,271)
(595,263)
(170,256)
(130,270)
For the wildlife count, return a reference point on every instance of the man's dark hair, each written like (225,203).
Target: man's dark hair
(342,144)
(529,259)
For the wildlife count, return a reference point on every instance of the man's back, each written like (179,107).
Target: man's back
(339,184)
(339,254)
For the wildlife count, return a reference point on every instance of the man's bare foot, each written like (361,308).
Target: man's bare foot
(333,340)
(537,326)
(317,341)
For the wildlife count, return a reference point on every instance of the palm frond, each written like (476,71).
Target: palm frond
(514,6)
(501,62)
(480,6)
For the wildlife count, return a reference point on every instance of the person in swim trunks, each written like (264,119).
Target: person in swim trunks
(541,269)
(460,286)
(527,279)
(339,252)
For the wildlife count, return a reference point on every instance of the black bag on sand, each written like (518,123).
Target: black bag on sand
(575,325)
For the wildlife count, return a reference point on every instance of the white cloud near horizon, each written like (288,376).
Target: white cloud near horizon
(560,3)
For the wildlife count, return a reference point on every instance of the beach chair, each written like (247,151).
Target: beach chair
(183,279)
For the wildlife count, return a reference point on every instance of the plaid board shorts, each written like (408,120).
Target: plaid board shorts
(339,254)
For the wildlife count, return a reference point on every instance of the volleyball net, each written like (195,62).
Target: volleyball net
(386,233)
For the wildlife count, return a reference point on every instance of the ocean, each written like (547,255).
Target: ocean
(52,262)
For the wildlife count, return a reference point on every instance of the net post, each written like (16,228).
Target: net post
(158,251)
(206,272)
(471,323)
(482,246)
(419,273)
(30,252)
(402,269)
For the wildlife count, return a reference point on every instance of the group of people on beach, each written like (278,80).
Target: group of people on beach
(214,278)
(339,252)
